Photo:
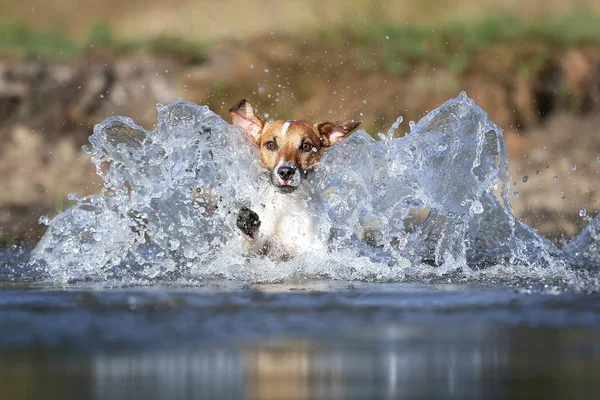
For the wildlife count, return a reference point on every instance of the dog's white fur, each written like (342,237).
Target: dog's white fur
(285,127)
(289,223)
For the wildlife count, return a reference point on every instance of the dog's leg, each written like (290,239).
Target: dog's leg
(248,222)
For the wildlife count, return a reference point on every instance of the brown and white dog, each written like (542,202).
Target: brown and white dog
(281,222)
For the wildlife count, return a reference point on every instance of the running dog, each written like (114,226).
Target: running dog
(284,222)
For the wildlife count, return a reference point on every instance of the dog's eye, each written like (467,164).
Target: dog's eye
(271,145)
(307,147)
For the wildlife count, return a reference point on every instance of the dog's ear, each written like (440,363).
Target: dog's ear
(333,132)
(244,115)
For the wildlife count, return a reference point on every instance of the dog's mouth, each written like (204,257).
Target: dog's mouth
(286,188)
(285,185)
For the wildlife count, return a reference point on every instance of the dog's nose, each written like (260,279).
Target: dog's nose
(286,172)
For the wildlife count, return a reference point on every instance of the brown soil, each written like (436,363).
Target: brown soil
(549,109)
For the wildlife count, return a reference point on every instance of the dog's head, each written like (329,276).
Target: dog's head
(288,149)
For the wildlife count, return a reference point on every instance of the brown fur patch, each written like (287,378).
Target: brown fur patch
(290,144)
(302,143)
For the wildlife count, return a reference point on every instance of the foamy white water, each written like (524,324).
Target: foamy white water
(432,205)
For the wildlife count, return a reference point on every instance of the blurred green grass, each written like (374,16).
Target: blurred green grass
(449,44)
(22,39)
(55,44)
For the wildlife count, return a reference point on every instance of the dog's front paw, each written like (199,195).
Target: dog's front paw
(248,222)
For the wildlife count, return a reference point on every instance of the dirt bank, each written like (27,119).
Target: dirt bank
(547,103)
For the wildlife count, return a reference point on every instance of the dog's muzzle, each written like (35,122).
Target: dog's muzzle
(286,172)
(287,177)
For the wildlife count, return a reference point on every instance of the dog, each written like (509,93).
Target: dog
(283,221)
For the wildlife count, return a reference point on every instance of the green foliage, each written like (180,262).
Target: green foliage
(19,38)
(101,35)
(452,44)
(24,40)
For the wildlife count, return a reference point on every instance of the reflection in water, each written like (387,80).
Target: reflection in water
(371,342)
(180,374)
(395,362)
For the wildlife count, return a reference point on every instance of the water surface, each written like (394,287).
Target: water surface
(305,340)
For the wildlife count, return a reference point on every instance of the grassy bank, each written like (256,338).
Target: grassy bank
(452,44)
(395,46)
(22,40)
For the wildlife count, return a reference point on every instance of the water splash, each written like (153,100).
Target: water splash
(433,204)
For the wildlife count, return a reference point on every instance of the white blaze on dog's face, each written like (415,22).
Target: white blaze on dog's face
(288,149)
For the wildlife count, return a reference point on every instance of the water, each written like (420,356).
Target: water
(309,340)
(430,205)
(426,285)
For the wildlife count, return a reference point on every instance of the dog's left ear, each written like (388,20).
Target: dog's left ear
(244,115)
(333,132)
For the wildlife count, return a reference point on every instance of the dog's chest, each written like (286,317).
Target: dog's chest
(288,221)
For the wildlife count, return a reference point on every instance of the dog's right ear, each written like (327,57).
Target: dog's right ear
(244,115)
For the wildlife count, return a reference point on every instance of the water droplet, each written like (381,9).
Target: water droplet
(582,212)
(261,89)
(174,243)
(516,194)
(395,125)
(598,159)
(411,125)
(547,165)
(86,149)
(537,171)
(476,207)
(574,167)
(525,178)
(251,66)
(387,38)
(44,220)
(266,70)
(555,178)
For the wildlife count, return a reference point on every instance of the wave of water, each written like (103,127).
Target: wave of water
(432,205)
